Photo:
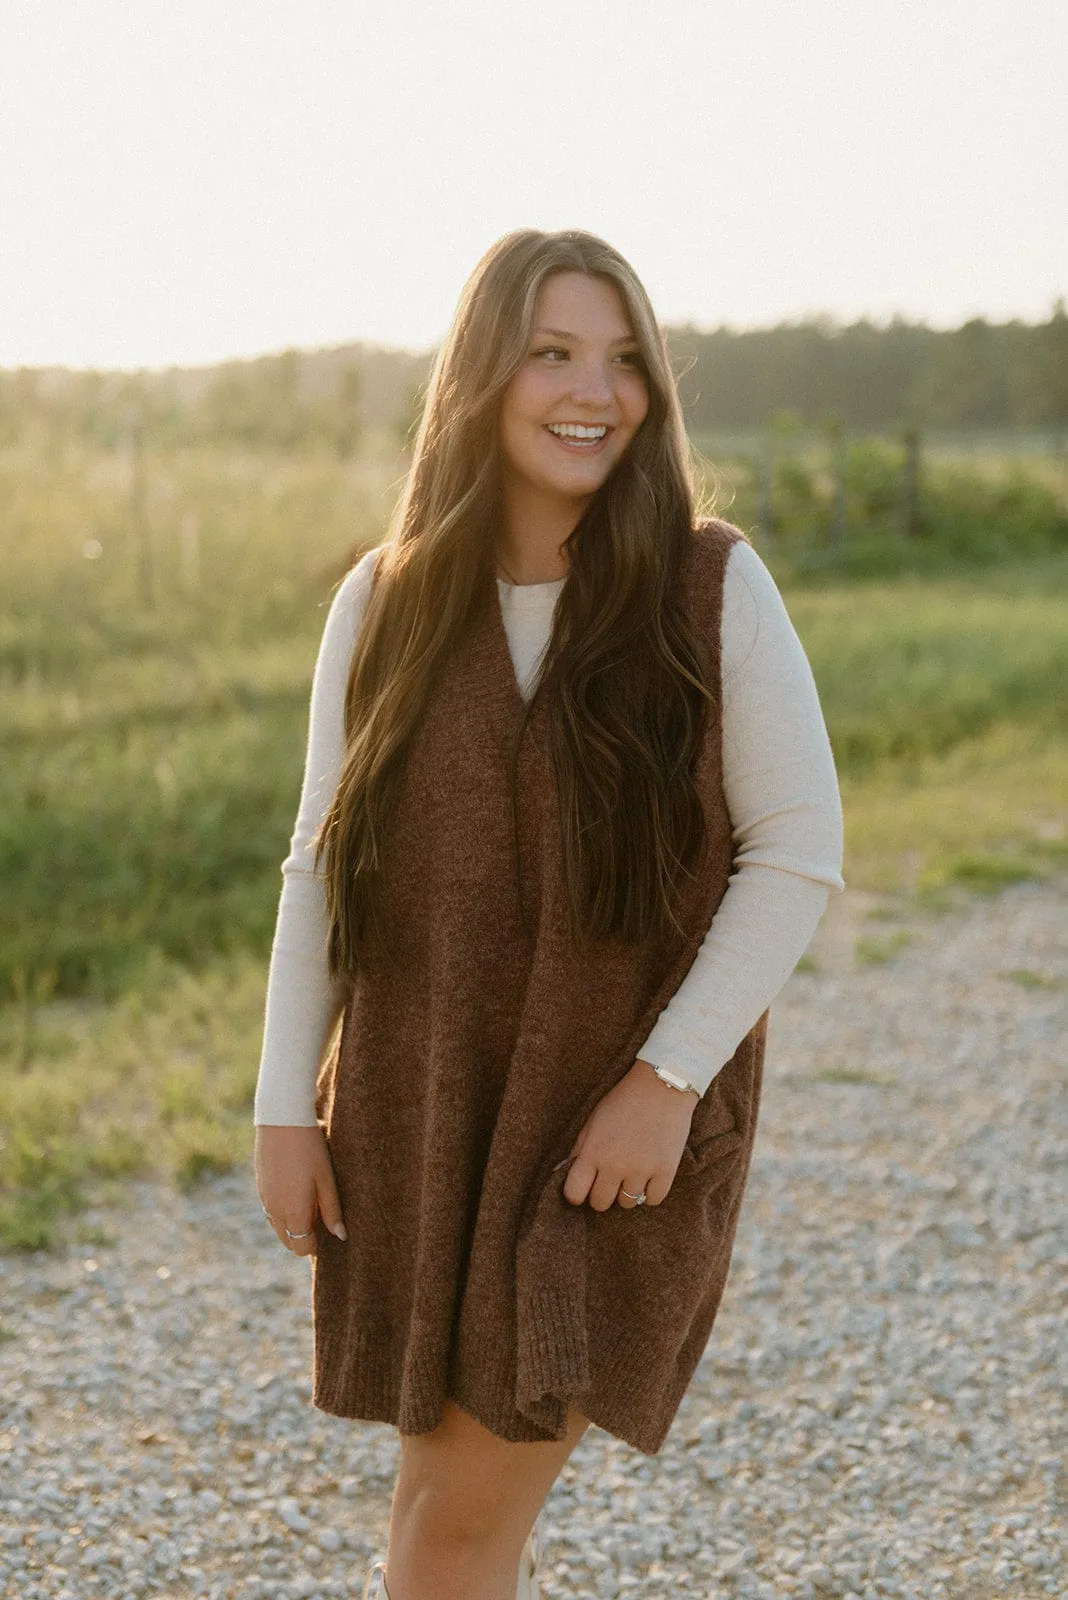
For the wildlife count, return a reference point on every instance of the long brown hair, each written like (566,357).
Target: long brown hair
(627,684)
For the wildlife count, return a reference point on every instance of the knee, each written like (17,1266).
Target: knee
(446,1516)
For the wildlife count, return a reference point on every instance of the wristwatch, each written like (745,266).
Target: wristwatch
(675,1081)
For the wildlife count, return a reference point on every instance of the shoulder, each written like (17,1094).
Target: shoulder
(712,536)
(712,550)
(720,546)
(345,616)
(355,587)
(726,563)
(353,592)
(757,630)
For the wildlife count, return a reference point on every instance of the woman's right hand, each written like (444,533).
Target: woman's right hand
(296,1183)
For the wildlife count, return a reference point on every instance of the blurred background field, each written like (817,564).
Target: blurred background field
(169,544)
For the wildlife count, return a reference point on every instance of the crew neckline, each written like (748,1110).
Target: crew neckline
(547,583)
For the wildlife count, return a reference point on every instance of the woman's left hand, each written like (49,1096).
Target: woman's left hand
(633,1139)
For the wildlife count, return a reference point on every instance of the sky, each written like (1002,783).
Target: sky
(185,182)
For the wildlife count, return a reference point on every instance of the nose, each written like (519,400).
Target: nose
(592,382)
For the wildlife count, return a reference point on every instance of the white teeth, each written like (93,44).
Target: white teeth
(576,430)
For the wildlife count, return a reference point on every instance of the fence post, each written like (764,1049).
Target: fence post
(189,552)
(834,431)
(140,543)
(910,484)
(766,489)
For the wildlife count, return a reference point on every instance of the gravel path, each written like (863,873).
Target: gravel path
(880,1411)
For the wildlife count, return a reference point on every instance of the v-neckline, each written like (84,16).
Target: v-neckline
(502,648)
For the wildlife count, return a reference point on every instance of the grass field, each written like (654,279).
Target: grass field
(152,725)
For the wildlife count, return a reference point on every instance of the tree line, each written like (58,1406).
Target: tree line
(865,378)
(991,375)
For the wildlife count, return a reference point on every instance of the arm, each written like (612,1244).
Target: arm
(782,795)
(302,1003)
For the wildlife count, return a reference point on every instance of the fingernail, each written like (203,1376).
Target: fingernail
(338,1230)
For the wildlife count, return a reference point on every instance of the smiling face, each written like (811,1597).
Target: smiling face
(571,410)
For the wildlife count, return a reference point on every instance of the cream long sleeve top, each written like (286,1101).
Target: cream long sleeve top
(782,796)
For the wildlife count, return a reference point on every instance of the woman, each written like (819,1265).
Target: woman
(569,820)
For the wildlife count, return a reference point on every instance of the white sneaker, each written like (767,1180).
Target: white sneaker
(375,1586)
(528,1588)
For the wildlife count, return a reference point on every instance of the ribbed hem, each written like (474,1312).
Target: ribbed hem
(361,1375)
(636,1388)
(552,1355)
(618,1376)
(482,1380)
(632,1391)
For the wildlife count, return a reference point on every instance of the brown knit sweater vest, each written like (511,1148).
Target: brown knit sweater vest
(466,1067)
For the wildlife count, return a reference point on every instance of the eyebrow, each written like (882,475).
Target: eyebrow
(561,333)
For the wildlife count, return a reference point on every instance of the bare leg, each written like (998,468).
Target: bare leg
(463,1505)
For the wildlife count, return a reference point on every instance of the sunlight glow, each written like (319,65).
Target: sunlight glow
(180,184)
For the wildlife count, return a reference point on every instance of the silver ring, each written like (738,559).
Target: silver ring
(639,1198)
(301,1235)
(266,1213)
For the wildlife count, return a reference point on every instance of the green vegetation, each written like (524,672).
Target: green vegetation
(944,700)
(159,625)
(826,511)
(852,1075)
(876,952)
(158,1081)
(1026,979)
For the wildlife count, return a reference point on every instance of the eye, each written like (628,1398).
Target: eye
(633,358)
(550,350)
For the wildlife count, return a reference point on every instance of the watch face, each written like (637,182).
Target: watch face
(673,1078)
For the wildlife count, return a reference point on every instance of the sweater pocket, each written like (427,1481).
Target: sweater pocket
(698,1157)
(714,1131)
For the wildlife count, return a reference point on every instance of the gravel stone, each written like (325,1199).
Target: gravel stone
(879,1412)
